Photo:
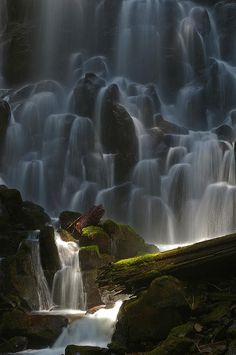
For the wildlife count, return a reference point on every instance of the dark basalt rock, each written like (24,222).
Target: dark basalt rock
(12,345)
(40,330)
(49,254)
(5,114)
(33,216)
(168,127)
(85,94)
(225,132)
(19,277)
(118,137)
(85,350)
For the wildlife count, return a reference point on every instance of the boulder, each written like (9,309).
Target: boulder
(168,127)
(126,243)
(93,297)
(85,350)
(96,236)
(118,136)
(13,345)
(5,114)
(225,132)
(11,204)
(148,319)
(85,94)
(19,277)
(10,240)
(33,216)
(89,257)
(40,330)
(173,345)
(48,253)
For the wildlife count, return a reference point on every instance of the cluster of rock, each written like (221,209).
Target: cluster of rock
(20,328)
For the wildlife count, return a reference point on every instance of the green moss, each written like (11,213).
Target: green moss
(110,226)
(182,330)
(217,312)
(66,236)
(173,345)
(91,249)
(92,231)
(138,260)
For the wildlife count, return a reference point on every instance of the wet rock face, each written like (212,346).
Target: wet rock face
(19,277)
(150,317)
(5,113)
(49,254)
(39,330)
(85,94)
(16,219)
(118,137)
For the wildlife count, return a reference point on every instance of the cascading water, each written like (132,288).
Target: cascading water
(68,292)
(93,330)
(154,57)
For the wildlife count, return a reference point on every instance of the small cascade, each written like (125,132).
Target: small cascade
(92,330)
(44,296)
(68,292)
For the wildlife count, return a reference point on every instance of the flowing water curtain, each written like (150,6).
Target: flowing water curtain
(3,24)
(68,291)
(167,58)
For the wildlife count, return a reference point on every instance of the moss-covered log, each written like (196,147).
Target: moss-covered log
(204,259)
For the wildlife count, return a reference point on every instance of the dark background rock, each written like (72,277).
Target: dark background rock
(49,254)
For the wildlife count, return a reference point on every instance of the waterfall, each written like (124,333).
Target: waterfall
(68,291)
(157,59)
(44,296)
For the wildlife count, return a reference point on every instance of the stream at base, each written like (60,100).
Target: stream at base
(92,330)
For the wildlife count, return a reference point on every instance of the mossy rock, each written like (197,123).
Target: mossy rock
(232,331)
(183,330)
(110,226)
(173,345)
(231,348)
(149,318)
(218,311)
(66,236)
(93,297)
(84,350)
(89,257)
(126,243)
(96,236)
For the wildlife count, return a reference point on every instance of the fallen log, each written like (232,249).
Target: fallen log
(90,218)
(205,259)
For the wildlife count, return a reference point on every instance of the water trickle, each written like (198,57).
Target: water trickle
(44,296)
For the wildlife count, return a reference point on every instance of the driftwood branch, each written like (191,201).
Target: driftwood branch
(90,218)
